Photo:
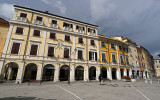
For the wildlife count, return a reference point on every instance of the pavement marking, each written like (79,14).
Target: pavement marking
(70,92)
(140,92)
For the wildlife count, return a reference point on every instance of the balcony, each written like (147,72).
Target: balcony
(68,28)
(54,25)
(81,31)
(92,33)
(21,19)
(38,22)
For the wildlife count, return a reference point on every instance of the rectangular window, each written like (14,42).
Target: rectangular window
(80,29)
(39,18)
(19,30)
(80,40)
(67,25)
(157,66)
(52,36)
(92,42)
(103,55)
(120,47)
(23,15)
(127,62)
(15,48)
(50,51)
(102,44)
(67,38)
(112,46)
(114,58)
(36,33)
(54,22)
(93,55)
(80,54)
(121,58)
(34,49)
(124,49)
(66,52)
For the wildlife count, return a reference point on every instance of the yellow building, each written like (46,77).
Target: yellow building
(47,47)
(4,26)
(113,55)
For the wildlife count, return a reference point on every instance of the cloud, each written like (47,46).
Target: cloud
(7,10)
(155,54)
(56,4)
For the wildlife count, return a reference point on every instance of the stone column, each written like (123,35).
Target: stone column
(130,72)
(87,74)
(39,72)
(1,67)
(9,73)
(97,73)
(56,73)
(72,73)
(118,74)
(43,44)
(109,74)
(125,72)
(19,78)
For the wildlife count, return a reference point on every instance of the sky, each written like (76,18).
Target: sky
(138,20)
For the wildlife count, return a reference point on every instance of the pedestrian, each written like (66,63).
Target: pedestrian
(100,78)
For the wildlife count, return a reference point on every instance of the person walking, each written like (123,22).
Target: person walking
(100,78)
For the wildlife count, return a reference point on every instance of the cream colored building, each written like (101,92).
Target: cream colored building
(157,66)
(44,46)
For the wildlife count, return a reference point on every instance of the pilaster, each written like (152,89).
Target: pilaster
(19,78)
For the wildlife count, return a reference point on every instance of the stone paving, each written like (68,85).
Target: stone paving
(115,90)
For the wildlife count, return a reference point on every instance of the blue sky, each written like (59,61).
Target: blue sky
(135,19)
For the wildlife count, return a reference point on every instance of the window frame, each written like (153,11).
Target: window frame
(104,44)
(94,59)
(65,38)
(114,46)
(127,60)
(51,45)
(80,49)
(121,55)
(16,41)
(16,30)
(79,40)
(39,16)
(93,42)
(50,35)
(23,13)
(115,57)
(34,43)
(103,52)
(39,33)
(68,47)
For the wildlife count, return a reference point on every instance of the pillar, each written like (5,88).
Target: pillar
(19,78)
(56,74)
(72,73)
(9,73)
(1,67)
(118,74)
(39,72)
(87,74)
(109,74)
(97,73)
(125,72)
(130,72)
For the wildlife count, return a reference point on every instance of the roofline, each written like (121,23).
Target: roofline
(54,15)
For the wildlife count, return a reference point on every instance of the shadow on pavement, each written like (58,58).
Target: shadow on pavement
(23,98)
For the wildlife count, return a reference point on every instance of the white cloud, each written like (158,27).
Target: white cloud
(101,9)
(6,10)
(57,4)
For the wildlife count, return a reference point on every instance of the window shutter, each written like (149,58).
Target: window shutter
(90,55)
(51,51)
(36,33)
(15,48)
(23,15)
(96,56)
(34,50)
(52,35)
(19,30)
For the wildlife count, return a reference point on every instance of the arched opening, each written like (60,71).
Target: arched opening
(104,72)
(92,73)
(127,72)
(64,73)
(142,73)
(122,72)
(146,74)
(48,73)
(30,72)
(133,74)
(137,73)
(11,70)
(79,73)
(114,73)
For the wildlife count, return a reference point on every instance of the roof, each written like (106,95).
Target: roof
(2,21)
(54,15)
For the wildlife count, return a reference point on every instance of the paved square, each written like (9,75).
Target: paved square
(115,90)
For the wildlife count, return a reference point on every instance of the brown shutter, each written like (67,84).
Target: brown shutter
(36,33)
(52,35)
(19,30)
(34,50)
(15,48)
(51,51)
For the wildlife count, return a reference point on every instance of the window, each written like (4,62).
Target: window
(19,30)
(67,38)
(36,33)
(15,48)
(80,54)
(113,57)
(67,26)
(23,15)
(121,58)
(39,18)
(157,67)
(34,49)
(92,42)
(50,51)
(103,55)
(91,31)
(80,29)
(127,62)
(66,52)
(80,40)
(102,44)
(54,22)
(124,49)
(52,36)
(120,47)
(93,55)
(112,46)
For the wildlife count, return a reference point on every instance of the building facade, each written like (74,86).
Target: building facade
(157,66)
(47,47)
(4,26)
(114,62)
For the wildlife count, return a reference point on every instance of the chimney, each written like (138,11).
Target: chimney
(46,11)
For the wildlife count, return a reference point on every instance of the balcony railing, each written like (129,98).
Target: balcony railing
(68,28)
(81,31)
(54,25)
(21,19)
(38,22)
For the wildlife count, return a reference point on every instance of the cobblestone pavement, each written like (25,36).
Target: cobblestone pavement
(115,90)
